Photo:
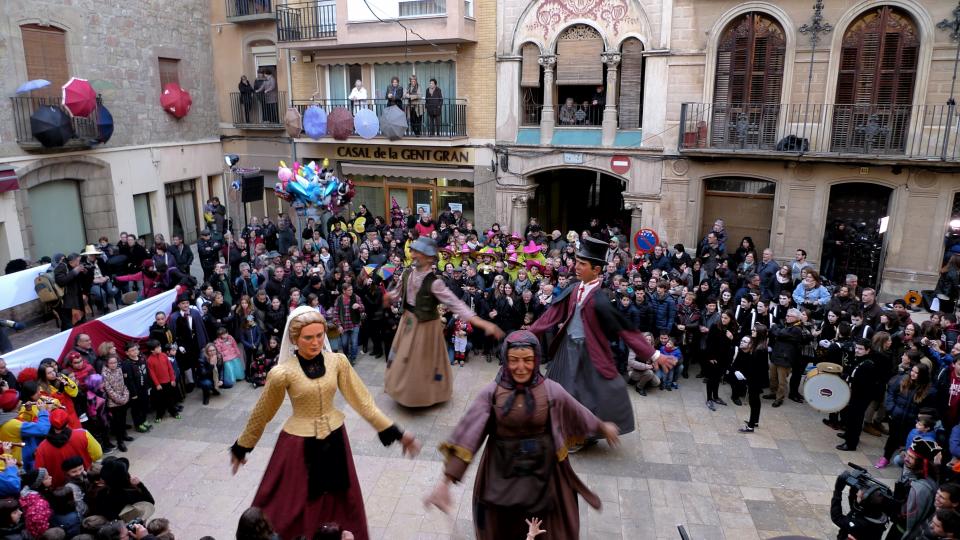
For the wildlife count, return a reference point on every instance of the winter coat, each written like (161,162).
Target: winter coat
(903,408)
(664,311)
(787,344)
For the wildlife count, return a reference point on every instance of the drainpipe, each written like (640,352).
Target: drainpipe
(293,144)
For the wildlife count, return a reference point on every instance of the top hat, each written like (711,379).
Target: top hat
(91,250)
(593,250)
(425,245)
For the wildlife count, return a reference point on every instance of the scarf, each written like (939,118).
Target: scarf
(518,339)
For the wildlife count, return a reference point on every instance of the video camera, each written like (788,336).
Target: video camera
(871,488)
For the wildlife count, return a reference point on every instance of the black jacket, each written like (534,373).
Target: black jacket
(209,252)
(787,344)
(71,280)
(183,255)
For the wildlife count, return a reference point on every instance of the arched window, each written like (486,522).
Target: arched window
(878,69)
(748,82)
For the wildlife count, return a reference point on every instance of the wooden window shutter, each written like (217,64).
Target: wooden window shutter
(169,71)
(631,83)
(45,54)
(578,56)
(878,68)
(530,70)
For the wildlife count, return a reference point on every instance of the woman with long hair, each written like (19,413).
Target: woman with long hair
(60,387)
(311,478)
(907,394)
(757,374)
(719,353)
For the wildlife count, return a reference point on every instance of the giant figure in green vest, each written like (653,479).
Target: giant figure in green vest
(418,368)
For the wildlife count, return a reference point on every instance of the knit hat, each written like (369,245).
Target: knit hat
(9,400)
(71,462)
(58,418)
(42,474)
(27,374)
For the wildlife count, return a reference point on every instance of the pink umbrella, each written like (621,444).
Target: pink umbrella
(79,98)
(175,100)
(340,124)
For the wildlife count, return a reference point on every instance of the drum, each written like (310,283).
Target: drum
(824,389)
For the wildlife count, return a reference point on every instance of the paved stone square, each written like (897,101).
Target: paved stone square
(684,465)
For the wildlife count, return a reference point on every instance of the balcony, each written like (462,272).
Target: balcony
(451,123)
(241,11)
(253,112)
(881,133)
(85,131)
(323,24)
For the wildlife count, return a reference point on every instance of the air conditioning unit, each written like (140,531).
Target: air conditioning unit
(307,58)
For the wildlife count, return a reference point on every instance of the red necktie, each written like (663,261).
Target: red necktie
(580,293)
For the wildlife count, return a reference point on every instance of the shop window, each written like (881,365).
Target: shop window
(748,82)
(45,54)
(372,197)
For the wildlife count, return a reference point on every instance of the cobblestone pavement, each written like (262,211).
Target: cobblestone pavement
(684,465)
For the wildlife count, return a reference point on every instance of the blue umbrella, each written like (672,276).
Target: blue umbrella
(366,123)
(35,84)
(104,124)
(315,122)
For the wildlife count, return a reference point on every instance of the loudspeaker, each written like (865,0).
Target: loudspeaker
(251,188)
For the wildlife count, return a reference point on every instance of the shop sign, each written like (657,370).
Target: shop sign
(407,154)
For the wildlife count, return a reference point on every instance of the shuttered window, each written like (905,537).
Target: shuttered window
(748,82)
(878,69)
(45,53)
(631,84)
(530,70)
(578,56)
(169,71)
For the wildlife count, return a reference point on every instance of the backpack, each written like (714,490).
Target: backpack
(47,289)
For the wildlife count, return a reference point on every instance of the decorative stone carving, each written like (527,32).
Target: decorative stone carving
(608,13)
(611,58)
(547,61)
(680,167)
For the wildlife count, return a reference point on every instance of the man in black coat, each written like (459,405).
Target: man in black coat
(209,253)
(68,274)
(864,381)
(278,286)
(181,253)
(787,344)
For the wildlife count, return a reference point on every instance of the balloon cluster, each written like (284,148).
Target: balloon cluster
(313,186)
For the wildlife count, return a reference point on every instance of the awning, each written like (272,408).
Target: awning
(402,171)
(8,180)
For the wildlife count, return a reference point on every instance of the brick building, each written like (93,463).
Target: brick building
(672,113)
(153,175)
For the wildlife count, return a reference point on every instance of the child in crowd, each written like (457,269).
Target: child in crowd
(924,429)
(668,377)
(162,379)
(208,372)
(461,329)
(232,358)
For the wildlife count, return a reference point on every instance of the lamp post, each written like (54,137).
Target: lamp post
(813,30)
(953,26)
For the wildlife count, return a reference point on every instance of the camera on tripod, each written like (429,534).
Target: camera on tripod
(870,488)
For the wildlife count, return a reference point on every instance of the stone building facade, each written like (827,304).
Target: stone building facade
(741,119)
(138,180)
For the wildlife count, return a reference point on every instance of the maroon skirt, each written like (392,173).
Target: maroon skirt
(283,494)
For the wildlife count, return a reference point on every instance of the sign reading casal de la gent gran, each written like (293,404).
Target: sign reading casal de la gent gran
(447,156)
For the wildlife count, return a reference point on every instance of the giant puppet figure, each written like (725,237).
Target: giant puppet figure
(586,322)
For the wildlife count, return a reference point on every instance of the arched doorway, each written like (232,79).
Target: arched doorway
(859,208)
(745,205)
(566,199)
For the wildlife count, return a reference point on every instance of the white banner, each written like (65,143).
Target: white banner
(17,288)
(133,321)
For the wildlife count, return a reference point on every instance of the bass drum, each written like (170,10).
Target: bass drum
(824,390)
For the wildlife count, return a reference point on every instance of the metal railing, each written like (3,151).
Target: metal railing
(579,115)
(926,132)
(252,110)
(530,114)
(444,120)
(248,8)
(85,130)
(306,20)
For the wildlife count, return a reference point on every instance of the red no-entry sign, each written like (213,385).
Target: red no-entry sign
(646,240)
(620,164)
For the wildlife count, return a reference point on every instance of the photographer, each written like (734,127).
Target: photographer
(866,519)
(67,275)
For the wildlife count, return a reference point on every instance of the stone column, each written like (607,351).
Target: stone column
(612,60)
(636,218)
(547,114)
(520,213)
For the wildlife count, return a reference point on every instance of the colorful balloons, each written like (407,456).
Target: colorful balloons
(313,186)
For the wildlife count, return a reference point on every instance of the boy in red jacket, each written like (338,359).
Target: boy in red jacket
(163,379)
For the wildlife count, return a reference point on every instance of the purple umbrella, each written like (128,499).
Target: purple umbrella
(340,124)
(315,122)
(366,123)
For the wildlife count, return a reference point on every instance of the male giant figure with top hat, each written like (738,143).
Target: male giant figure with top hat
(581,359)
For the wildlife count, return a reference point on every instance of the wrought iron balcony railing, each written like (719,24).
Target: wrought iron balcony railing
(249,10)
(915,132)
(306,21)
(85,130)
(251,111)
(449,120)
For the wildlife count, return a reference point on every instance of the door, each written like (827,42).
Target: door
(859,206)
(416,199)
(746,206)
(56,218)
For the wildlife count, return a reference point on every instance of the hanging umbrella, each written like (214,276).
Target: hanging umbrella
(366,123)
(30,86)
(315,122)
(387,270)
(175,100)
(51,126)
(340,124)
(293,122)
(79,98)
(104,124)
(393,123)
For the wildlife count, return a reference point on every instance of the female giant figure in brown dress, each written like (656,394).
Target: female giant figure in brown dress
(311,478)
(530,422)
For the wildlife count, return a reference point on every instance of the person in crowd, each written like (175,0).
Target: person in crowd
(120,488)
(527,420)
(358,95)
(163,380)
(414,105)
(69,275)
(906,394)
(63,442)
(190,335)
(434,107)
(311,477)
(135,377)
(394,93)
(721,342)
(118,398)
(785,356)
(864,382)
(24,426)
